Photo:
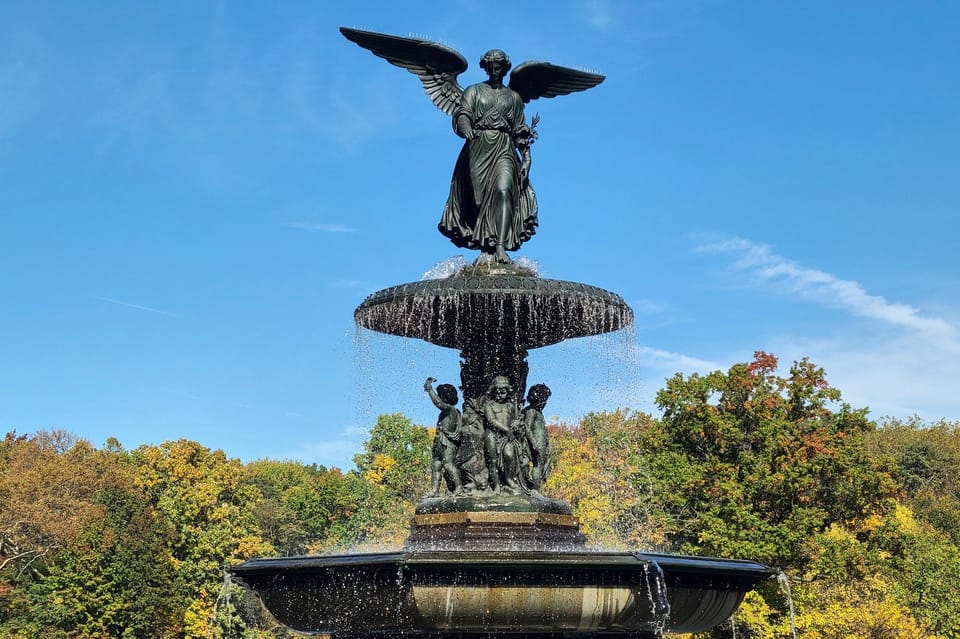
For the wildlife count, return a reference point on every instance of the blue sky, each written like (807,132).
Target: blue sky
(194,196)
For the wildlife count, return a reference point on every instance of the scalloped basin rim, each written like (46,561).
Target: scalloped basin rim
(458,311)
(668,563)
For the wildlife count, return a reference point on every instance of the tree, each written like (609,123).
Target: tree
(304,508)
(395,468)
(758,463)
(49,484)
(116,579)
(201,495)
(89,554)
(600,468)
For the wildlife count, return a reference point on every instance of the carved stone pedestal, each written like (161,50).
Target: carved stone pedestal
(495,522)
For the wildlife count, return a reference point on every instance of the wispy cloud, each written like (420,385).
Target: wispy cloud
(899,376)
(335,451)
(765,267)
(661,359)
(598,14)
(139,307)
(323,228)
(910,370)
(648,307)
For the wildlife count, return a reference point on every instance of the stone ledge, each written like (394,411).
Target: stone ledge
(495,517)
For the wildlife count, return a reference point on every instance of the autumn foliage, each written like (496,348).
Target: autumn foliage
(862,518)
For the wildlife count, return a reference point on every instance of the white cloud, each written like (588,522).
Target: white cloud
(900,376)
(909,369)
(674,362)
(766,267)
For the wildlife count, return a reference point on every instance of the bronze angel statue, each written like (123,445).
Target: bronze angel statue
(492,206)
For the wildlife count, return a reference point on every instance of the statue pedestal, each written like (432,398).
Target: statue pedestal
(495,522)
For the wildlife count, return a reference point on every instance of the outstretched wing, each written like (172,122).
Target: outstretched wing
(534,80)
(437,66)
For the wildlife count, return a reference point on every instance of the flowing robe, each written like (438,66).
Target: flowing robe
(486,183)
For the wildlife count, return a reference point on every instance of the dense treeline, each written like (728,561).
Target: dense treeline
(863,519)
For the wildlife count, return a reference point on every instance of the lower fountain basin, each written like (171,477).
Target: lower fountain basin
(530,594)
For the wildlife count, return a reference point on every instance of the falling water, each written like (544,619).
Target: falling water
(733,626)
(784,582)
(223,599)
(656,592)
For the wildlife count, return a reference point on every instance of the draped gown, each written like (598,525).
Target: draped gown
(486,183)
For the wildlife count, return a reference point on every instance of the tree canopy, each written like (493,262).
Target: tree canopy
(863,518)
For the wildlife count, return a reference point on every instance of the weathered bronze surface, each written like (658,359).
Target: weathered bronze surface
(460,312)
(492,206)
(496,446)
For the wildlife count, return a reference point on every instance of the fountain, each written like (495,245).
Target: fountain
(487,552)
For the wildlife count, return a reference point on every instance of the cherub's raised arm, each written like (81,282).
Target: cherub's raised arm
(439,403)
(436,65)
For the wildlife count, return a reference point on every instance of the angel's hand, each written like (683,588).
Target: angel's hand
(465,128)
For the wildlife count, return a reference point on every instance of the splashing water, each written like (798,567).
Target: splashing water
(444,269)
(456,264)
(784,582)
(223,599)
(525,262)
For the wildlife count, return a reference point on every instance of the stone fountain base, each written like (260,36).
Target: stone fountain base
(495,522)
(491,565)
(491,593)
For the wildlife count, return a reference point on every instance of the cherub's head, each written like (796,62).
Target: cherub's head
(500,388)
(448,393)
(496,63)
(538,395)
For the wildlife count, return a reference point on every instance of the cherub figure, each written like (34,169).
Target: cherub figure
(500,419)
(446,441)
(535,433)
(472,456)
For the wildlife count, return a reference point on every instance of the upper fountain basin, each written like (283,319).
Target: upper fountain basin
(461,311)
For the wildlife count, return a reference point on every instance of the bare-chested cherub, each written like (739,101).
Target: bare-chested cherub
(446,441)
(535,431)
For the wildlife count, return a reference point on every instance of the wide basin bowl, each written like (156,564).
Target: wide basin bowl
(458,312)
(536,594)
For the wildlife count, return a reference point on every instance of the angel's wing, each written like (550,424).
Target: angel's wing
(437,66)
(534,80)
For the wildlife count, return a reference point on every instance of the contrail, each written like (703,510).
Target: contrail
(137,306)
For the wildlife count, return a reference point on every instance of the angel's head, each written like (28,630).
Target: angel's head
(495,62)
